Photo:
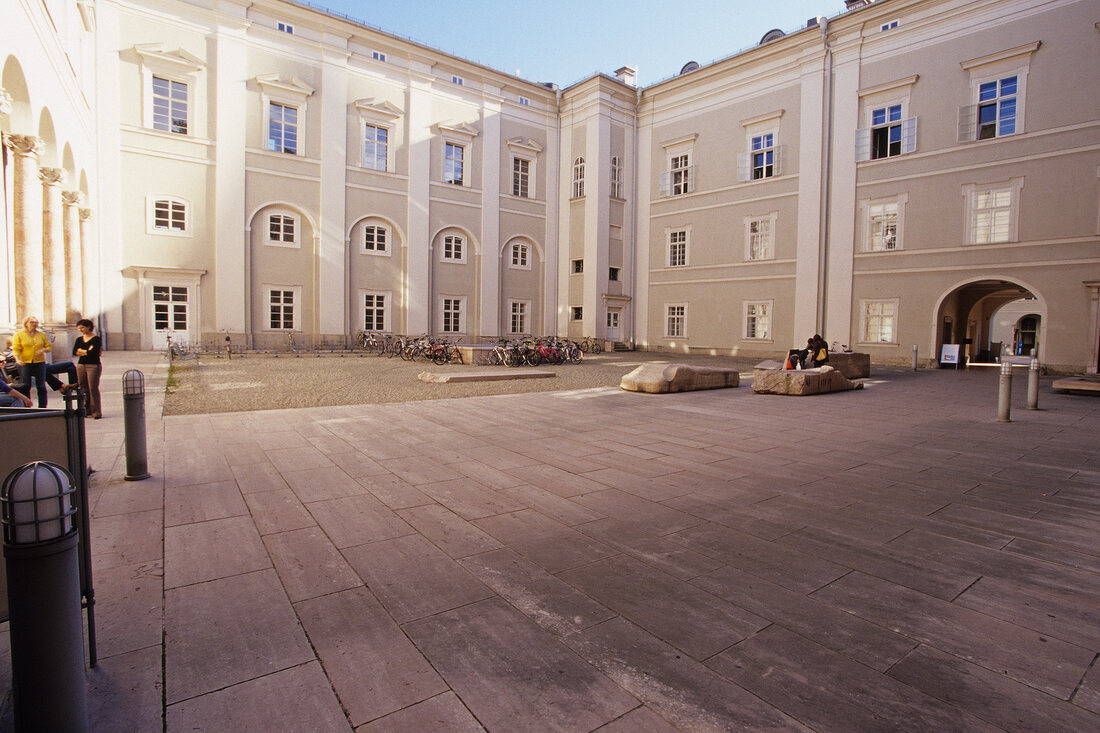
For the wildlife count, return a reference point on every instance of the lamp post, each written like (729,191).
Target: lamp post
(133,404)
(40,555)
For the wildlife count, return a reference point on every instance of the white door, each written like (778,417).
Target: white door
(613,325)
(170,315)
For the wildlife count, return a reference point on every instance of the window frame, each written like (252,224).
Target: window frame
(513,249)
(521,180)
(366,125)
(452,240)
(179,67)
(170,103)
(269,141)
(884,97)
(525,315)
(867,214)
(296,310)
(576,266)
(578,177)
(771,218)
(151,216)
(294,94)
(387,238)
(295,223)
(996,67)
(972,191)
(681,317)
(613,274)
(617,178)
(766,315)
(449,163)
(864,317)
(461,314)
(387,301)
(684,243)
(576,313)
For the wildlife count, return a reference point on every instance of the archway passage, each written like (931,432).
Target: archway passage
(969,314)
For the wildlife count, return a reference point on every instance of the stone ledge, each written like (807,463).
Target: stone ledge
(767,379)
(851,364)
(664,378)
(482,376)
(1078,384)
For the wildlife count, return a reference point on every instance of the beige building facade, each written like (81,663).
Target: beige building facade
(909,173)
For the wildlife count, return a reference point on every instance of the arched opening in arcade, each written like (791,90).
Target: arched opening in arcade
(990,321)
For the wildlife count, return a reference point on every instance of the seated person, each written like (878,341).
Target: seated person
(12,397)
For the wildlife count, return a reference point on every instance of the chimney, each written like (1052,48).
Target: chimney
(627,75)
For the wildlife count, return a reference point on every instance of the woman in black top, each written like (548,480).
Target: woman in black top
(88,367)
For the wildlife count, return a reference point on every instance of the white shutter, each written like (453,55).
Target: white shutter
(863,144)
(743,171)
(666,183)
(775,160)
(968,123)
(690,179)
(909,135)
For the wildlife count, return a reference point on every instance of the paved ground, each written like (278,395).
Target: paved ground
(888,559)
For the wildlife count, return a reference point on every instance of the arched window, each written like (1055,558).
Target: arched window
(578,178)
(520,256)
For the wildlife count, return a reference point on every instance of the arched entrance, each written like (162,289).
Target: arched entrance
(985,318)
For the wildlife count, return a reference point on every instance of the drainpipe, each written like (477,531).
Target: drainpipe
(634,225)
(557,220)
(827,154)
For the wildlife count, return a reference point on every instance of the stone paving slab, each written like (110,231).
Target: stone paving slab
(689,563)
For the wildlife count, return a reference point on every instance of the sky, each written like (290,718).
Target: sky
(565,41)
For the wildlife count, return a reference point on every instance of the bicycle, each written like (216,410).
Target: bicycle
(592,344)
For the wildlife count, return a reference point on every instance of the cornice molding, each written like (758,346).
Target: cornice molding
(521,144)
(294,86)
(889,86)
(992,58)
(457,129)
(153,54)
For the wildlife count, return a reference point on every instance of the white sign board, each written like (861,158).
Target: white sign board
(949,354)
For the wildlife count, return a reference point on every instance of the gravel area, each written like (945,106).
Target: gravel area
(265,382)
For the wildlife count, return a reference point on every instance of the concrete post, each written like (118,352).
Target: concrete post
(1004,400)
(1033,383)
(914,357)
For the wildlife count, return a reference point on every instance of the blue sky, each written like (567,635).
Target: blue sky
(565,41)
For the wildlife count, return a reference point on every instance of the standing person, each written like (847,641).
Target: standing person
(89,367)
(819,350)
(30,346)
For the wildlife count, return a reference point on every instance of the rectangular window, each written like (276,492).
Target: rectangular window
(376,142)
(374,238)
(519,255)
(285,27)
(378,56)
(170,215)
(374,312)
(578,266)
(578,313)
(578,178)
(616,177)
(282,128)
(169,106)
(760,239)
(613,273)
(457,80)
(169,308)
(525,101)
(681,174)
(452,315)
(758,321)
(883,227)
(520,177)
(675,320)
(992,211)
(889,26)
(280,229)
(518,317)
(452,163)
(878,318)
(281,310)
(997,108)
(886,132)
(452,247)
(763,156)
(677,248)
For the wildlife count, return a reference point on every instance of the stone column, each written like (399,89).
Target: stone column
(74,278)
(26,224)
(53,246)
(86,298)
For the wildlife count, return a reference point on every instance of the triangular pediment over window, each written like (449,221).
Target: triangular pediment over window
(379,110)
(179,61)
(529,145)
(272,83)
(457,129)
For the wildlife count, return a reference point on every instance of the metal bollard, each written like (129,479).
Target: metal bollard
(1004,400)
(914,357)
(133,406)
(1033,383)
(47,636)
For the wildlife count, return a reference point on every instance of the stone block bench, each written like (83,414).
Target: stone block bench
(662,378)
(851,364)
(1081,385)
(483,376)
(769,377)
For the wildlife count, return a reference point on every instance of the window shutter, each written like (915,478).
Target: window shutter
(666,183)
(743,173)
(909,135)
(777,166)
(968,123)
(690,179)
(863,144)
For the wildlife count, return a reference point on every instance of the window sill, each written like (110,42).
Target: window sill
(375,253)
(169,233)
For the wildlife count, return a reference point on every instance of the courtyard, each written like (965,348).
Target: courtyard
(589,559)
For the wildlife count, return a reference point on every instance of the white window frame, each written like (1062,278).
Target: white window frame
(296,305)
(885,96)
(523,313)
(522,179)
(760,127)
(576,266)
(578,177)
(996,67)
(382,115)
(683,237)
(525,261)
(972,191)
(461,301)
(614,274)
(576,312)
(371,162)
(869,209)
(458,80)
(770,219)
(525,101)
(753,314)
(378,56)
(180,67)
(173,201)
(524,149)
(284,27)
(387,301)
(171,102)
(678,177)
(295,223)
(451,240)
(293,93)
(617,177)
(450,161)
(865,316)
(681,316)
(889,25)
(387,234)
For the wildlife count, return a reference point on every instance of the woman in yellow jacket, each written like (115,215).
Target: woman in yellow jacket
(30,346)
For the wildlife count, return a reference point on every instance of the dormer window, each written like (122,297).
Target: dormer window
(285,28)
